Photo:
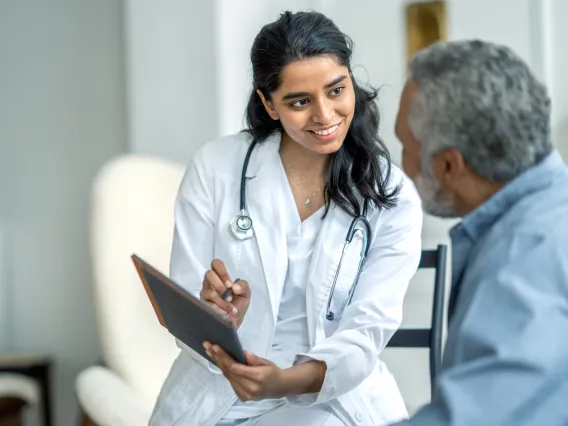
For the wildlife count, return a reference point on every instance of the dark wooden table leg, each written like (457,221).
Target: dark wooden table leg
(43,379)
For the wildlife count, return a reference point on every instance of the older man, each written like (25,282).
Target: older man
(475,128)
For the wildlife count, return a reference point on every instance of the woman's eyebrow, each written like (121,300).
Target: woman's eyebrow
(294,95)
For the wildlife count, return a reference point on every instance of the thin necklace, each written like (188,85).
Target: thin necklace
(308,201)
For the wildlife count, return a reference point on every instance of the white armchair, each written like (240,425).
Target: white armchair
(132,212)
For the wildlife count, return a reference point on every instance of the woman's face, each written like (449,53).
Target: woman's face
(315,103)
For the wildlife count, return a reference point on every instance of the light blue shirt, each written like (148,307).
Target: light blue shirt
(506,357)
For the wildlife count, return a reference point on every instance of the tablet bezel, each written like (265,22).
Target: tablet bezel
(143,266)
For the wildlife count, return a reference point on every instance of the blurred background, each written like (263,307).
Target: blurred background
(83,82)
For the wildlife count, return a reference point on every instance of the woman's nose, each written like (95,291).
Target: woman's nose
(323,113)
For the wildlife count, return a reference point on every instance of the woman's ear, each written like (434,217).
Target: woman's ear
(268,106)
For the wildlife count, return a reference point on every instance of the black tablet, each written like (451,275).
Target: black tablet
(185,316)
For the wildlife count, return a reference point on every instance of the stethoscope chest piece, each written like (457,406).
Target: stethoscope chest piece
(241,226)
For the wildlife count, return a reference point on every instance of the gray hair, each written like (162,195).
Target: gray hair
(483,100)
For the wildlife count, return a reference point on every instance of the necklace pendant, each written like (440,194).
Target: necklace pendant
(308,202)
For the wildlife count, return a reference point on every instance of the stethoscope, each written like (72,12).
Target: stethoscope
(242,228)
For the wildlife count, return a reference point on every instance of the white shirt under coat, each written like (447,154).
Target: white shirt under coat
(291,334)
(357,383)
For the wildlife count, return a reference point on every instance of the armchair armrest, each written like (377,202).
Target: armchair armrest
(108,400)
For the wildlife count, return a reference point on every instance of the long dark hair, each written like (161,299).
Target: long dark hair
(362,166)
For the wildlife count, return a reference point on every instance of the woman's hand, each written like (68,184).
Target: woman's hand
(259,379)
(215,284)
(262,379)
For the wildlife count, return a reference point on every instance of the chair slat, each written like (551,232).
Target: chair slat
(429,259)
(410,338)
(428,337)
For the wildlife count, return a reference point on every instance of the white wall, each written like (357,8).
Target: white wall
(556,39)
(62,115)
(6,315)
(171,76)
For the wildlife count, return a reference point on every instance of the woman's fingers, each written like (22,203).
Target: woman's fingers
(240,389)
(241,288)
(245,387)
(213,298)
(212,291)
(214,282)
(219,267)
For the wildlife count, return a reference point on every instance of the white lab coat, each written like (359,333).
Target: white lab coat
(357,384)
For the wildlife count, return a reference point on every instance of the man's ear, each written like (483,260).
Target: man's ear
(268,106)
(449,166)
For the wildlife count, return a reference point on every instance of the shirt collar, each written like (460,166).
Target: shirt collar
(479,220)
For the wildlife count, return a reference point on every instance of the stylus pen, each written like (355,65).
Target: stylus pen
(229,291)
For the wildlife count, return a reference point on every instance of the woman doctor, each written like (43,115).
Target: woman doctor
(312,348)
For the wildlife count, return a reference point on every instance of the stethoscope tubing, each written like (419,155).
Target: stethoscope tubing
(243,234)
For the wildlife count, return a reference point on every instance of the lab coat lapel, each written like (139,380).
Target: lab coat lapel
(267,211)
(323,265)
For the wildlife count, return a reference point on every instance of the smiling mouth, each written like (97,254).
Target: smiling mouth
(325,132)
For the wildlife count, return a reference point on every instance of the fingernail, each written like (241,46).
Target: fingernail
(206,345)
(235,311)
(237,288)
(229,298)
(228,283)
(215,349)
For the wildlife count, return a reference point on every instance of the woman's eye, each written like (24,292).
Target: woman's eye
(300,103)
(337,91)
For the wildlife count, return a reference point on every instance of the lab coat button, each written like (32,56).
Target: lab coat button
(358,416)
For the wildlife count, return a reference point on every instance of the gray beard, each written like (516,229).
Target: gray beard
(434,201)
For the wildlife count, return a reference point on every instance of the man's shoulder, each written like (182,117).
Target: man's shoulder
(542,215)
(532,234)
